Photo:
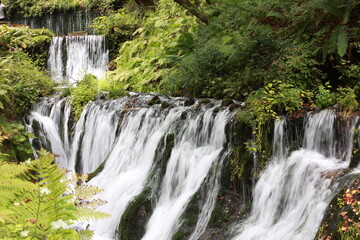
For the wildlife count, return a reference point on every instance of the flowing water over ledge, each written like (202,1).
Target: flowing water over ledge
(72,57)
(128,135)
(129,140)
(293,192)
(61,23)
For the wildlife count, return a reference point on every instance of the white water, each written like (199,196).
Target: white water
(59,23)
(72,57)
(55,61)
(195,152)
(52,120)
(128,140)
(294,190)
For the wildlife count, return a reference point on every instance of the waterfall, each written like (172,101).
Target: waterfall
(55,61)
(197,148)
(123,141)
(294,190)
(72,57)
(128,142)
(61,23)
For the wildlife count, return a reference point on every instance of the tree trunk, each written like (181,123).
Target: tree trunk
(194,10)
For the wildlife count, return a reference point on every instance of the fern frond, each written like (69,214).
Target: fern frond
(8,171)
(86,235)
(342,41)
(89,215)
(86,191)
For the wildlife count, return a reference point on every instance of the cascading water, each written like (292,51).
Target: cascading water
(197,148)
(61,23)
(72,57)
(128,140)
(294,190)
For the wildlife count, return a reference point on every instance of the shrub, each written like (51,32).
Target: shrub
(325,98)
(84,92)
(346,99)
(22,84)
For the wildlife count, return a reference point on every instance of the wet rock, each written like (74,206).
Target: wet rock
(188,102)
(165,104)
(78,33)
(154,100)
(234,106)
(216,110)
(183,116)
(101,96)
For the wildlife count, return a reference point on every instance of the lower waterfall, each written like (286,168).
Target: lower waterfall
(124,144)
(129,142)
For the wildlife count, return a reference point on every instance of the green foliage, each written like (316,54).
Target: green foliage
(296,66)
(32,8)
(344,223)
(22,83)
(14,38)
(14,144)
(35,42)
(45,206)
(325,98)
(346,99)
(118,26)
(143,62)
(265,105)
(114,89)
(84,92)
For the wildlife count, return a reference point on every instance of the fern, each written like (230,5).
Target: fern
(44,207)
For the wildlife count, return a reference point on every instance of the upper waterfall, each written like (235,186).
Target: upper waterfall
(60,23)
(72,57)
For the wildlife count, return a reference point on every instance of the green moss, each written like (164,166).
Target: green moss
(204,101)
(135,217)
(97,170)
(189,218)
(165,104)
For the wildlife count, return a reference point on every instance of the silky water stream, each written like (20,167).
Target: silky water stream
(127,140)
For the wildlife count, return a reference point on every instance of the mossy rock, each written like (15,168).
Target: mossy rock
(204,101)
(227,102)
(154,100)
(189,218)
(165,104)
(135,217)
(234,106)
(97,171)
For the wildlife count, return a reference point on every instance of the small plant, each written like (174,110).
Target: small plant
(266,103)
(84,92)
(325,98)
(346,99)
